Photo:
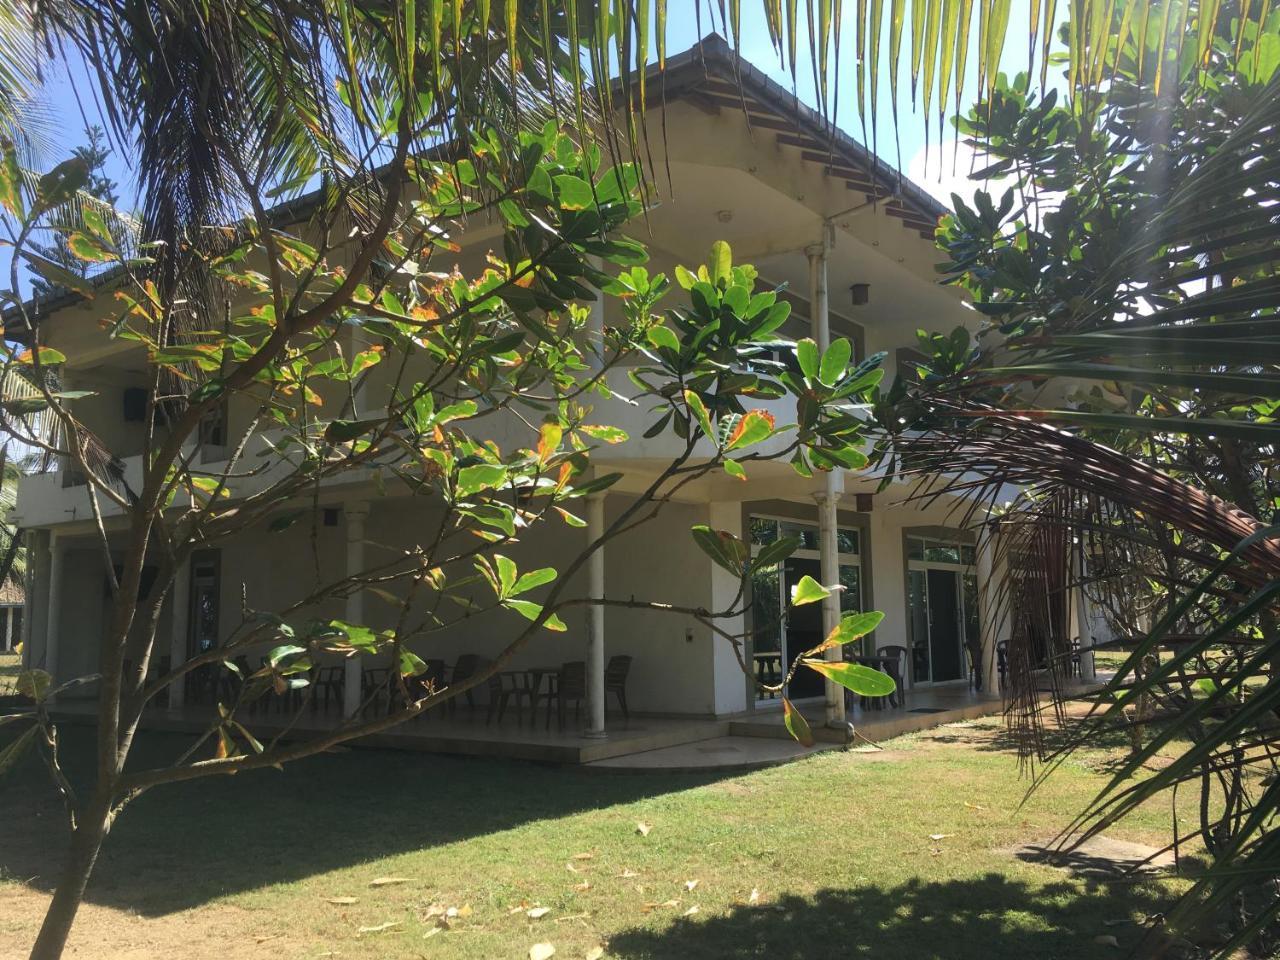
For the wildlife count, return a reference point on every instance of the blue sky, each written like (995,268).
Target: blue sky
(68,112)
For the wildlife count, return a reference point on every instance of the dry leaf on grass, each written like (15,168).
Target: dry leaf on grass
(940,836)
(541,951)
(432,932)
(583,856)
(379,928)
(388,881)
(643,828)
(627,873)
(754,898)
(341,901)
(595,953)
(691,911)
(537,913)
(690,885)
(583,886)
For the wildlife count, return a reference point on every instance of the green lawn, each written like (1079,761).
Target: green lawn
(837,848)
(9,665)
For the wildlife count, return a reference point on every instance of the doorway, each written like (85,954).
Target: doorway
(942,607)
(780,632)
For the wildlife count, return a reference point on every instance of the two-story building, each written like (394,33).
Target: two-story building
(811,208)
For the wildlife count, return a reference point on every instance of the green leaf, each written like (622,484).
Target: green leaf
(208,390)
(59,276)
(808,590)
(33,684)
(411,665)
(16,749)
(11,183)
(699,411)
(834,362)
(356,635)
(755,425)
(575,193)
(862,680)
(854,626)
(734,469)
(796,724)
(61,183)
(775,552)
(720,263)
(664,337)
(480,476)
(807,357)
(342,431)
(47,356)
(722,547)
(532,579)
(604,432)
(85,247)
(531,611)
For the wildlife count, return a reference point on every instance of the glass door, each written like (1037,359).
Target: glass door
(942,605)
(779,632)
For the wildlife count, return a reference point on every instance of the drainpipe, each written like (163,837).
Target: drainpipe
(828,498)
(595,619)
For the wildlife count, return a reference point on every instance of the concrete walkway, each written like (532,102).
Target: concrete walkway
(723,754)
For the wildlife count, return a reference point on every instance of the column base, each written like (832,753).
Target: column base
(596,734)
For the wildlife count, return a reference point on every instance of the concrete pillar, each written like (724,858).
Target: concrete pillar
(729,686)
(828,498)
(595,619)
(356,515)
(34,550)
(53,620)
(179,631)
(8,627)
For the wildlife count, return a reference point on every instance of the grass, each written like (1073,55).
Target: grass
(10,663)
(842,850)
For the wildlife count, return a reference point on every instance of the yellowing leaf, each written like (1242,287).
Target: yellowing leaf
(643,828)
(796,724)
(537,913)
(388,881)
(341,901)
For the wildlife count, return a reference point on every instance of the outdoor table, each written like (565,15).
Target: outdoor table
(768,667)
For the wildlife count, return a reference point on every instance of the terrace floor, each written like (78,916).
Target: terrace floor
(751,739)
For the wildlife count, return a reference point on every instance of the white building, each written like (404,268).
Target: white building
(790,198)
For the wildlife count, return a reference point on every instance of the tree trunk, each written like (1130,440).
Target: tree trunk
(86,841)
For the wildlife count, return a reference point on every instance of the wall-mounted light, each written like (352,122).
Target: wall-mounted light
(860,293)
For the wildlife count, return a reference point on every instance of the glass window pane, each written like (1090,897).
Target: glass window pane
(915,548)
(766,626)
(847,540)
(807,533)
(942,552)
(918,601)
(763,531)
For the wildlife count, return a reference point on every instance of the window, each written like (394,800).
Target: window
(206,597)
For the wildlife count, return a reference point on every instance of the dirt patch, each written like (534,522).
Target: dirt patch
(101,933)
(1099,858)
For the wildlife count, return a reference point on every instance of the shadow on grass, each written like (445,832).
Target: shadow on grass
(179,846)
(979,919)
